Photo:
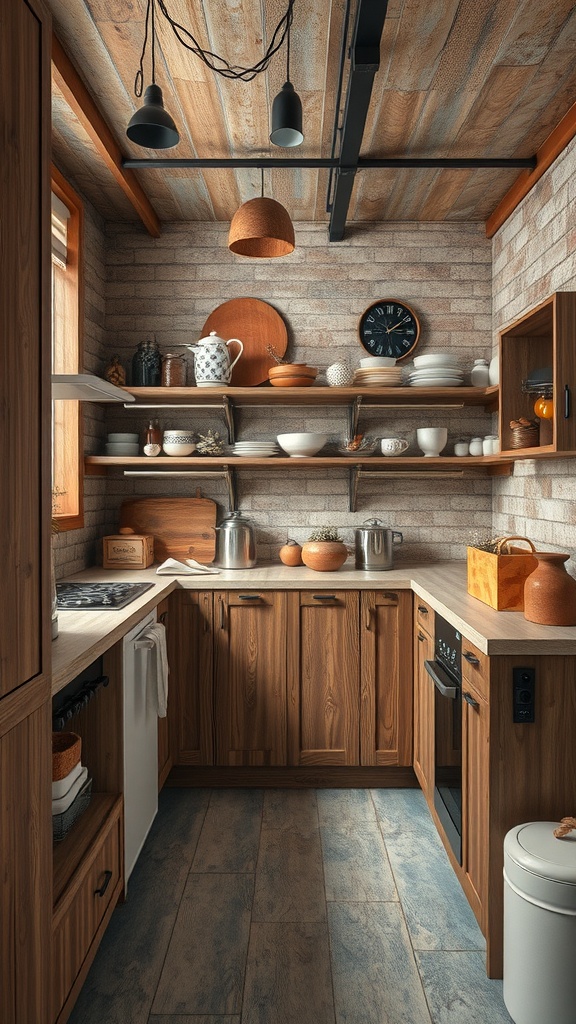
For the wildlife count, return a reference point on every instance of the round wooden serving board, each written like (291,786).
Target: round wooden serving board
(257,325)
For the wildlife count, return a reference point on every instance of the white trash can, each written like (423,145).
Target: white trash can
(540,924)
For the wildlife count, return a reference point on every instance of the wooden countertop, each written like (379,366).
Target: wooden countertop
(84,636)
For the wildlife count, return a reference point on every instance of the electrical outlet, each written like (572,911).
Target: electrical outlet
(523,694)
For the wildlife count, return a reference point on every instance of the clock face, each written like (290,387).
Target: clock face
(389,328)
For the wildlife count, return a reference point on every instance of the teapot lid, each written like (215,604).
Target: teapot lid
(235,519)
(212,339)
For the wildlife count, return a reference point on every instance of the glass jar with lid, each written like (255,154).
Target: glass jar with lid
(146,365)
(173,370)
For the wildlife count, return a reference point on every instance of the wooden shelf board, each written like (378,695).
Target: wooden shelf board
(284,462)
(69,853)
(268,395)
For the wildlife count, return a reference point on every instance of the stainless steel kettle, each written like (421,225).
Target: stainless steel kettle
(235,543)
(374,545)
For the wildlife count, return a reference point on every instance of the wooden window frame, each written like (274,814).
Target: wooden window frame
(67,415)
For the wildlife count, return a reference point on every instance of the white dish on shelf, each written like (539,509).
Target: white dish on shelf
(123,438)
(122,449)
(302,445)
(370,361)
(435,359)
(441,371)
(437,382)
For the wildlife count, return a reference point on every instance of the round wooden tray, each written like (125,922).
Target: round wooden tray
(257,325)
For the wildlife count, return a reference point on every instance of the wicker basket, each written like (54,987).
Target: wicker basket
(66,752)
(62,823)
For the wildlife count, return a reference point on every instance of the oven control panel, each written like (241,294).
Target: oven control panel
(448,647)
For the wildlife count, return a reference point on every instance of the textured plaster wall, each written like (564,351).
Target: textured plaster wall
(534,254)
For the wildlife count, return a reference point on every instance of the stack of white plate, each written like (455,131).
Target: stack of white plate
(122,444)
(378,376)
(436,370)
(255,449)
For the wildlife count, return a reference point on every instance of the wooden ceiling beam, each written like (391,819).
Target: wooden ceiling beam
(80,101)
(550,149)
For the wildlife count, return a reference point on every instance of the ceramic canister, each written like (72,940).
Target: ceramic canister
(339,375)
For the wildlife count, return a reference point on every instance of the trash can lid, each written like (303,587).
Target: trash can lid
(534,847)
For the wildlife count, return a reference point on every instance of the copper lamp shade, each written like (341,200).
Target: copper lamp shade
(261,228)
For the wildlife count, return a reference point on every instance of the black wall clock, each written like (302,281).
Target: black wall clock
(389,328)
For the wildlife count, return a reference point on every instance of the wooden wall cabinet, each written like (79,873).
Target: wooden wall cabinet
(544,337)
(250,677)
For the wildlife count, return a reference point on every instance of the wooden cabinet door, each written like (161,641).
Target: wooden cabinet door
(386,677)
(423,714)
(190,687)
(324,678)
(250,677)
(25,859)
(475,784)
(25,350)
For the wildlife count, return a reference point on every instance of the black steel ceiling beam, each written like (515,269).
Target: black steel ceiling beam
(364,63)
(363,163)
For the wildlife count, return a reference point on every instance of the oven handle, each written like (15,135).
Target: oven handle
(433,669)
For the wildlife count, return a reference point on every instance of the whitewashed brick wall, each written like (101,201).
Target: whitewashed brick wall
(169,286)
(534,254)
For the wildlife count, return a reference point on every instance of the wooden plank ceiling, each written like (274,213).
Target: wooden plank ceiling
(458,78)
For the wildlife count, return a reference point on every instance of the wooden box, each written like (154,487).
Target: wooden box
(128,551)
(498,579)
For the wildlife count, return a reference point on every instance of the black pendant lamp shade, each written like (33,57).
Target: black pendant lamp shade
(287,118)
(152,126)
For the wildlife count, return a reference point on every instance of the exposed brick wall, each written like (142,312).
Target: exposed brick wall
(169,286)
(534,254)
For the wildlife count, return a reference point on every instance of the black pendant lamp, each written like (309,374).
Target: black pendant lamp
(151,126)
(287,109)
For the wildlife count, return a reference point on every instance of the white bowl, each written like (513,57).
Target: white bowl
(435,359)
(178,436)
(178,448)
(431,440)
(391,446)
(302,445)
(122,449)
(377,361)
(123,438)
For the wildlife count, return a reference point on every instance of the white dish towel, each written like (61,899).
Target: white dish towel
(158,667)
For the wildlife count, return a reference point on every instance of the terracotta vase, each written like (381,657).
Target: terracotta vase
(550,591)
(324,555)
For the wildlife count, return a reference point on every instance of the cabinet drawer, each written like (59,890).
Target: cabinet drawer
(424,615)
(82,907)
(475,667)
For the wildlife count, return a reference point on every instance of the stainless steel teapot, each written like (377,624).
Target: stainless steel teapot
(235,543)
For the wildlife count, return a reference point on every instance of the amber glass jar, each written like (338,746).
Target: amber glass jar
(173,370)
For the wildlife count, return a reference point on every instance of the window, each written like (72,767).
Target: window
(67,353)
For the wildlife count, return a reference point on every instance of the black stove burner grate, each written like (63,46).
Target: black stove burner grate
(79,596)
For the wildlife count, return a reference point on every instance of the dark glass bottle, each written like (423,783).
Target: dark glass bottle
(146,364)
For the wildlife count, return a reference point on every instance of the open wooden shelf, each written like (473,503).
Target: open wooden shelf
(97,464)
(70,852)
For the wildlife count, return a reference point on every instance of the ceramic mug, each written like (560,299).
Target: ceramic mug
(394,445)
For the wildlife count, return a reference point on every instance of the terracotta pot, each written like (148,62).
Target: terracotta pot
(324,555)
(550,592)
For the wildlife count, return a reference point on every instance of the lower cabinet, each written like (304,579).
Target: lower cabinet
(250,673)
(324,678)
(423,713)
(475,781)
(189,632)
(386,677)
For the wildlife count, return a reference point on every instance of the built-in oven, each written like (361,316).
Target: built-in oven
(446,674)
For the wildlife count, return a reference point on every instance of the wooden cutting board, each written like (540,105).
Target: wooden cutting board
(181,527)
(257,325)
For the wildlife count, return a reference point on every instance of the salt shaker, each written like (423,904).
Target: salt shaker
(480,374)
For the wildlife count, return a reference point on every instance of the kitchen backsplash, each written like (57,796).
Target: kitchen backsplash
(168,286)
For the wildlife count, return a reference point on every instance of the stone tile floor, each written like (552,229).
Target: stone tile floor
(292,907)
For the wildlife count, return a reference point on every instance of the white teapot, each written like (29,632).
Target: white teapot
(212,365)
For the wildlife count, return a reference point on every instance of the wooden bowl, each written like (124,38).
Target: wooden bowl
(292,370)
(292,382)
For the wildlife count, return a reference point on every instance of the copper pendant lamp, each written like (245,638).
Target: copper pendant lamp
(261,228)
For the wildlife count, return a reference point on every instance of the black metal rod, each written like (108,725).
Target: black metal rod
(322,163)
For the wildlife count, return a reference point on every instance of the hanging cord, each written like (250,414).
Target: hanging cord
(216,63)
(261,183)
(288,48)
(153,24)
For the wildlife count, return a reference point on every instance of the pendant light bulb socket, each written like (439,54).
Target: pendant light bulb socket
(287,118)
(152,126)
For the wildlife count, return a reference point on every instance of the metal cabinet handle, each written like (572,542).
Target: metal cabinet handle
(470,700)
(434,671)
(105,884)
(324,597)
(249,597)
(471,658)
(162,617)
(422,609)
(567,402)
(421,637)
(222,623)
(368,618)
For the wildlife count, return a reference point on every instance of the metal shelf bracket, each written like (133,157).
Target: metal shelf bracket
(355,472)
(354,416)
(227,473)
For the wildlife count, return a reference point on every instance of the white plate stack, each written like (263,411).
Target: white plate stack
(378,377)
(122,444)
(255,449)
(436,370)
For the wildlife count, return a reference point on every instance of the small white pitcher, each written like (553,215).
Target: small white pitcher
(212,365)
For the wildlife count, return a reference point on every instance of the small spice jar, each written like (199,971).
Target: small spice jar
(476,446)
(480,374)
(173,370)
(461,447)
(153,433)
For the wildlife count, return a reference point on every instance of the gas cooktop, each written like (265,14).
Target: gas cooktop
(78,596)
